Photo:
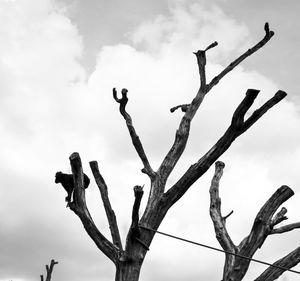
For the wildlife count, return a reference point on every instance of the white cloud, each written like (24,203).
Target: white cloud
(50,108)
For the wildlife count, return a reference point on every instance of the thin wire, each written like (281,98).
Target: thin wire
(219,250)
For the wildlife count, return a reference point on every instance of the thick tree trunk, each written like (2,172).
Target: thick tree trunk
(128,271)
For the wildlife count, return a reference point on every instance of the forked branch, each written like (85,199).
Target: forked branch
(238,126)
(49,270)
(238,258)
(110,214)
(79,207)
(134,137)
(190,110)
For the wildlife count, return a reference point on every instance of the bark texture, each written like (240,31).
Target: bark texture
(238,257)
(129,258)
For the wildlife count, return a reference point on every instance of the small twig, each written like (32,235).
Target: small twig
(226,217)
(183,107)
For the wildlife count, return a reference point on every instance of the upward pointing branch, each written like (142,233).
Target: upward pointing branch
(190,110)
(110,214)
(268,35)
(49,270)
(79,207)
(134,137)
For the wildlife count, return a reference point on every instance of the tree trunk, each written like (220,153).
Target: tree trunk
(128,271)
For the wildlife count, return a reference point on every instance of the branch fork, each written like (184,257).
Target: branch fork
(263,226)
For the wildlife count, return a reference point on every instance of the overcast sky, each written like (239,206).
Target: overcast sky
(60,60)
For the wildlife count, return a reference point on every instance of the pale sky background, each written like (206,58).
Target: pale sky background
(59,61)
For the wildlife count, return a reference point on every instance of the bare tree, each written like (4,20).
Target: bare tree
(49,270)
(238,257)
(128,259)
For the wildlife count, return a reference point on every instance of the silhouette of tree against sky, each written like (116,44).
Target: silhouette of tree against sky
(129,258)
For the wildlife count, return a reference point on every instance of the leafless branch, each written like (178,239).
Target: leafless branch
(110,214)
(79,207)
(182,133)
(49,270)
(215,210)
(134,137)
(286,228)
(138,194)
(279,217)
(238,126)
(184,108)
(262,224)
(289,261)
(249,52)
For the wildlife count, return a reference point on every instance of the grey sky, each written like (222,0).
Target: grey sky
(58,66)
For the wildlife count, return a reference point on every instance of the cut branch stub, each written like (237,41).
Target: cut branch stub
(138,194)
(183,107)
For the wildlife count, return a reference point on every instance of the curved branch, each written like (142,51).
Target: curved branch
(80,209)
(215,211)
(134,137)
(110,214)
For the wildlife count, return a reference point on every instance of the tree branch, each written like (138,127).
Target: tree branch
(215,211)
(182,133)
(183,107)
(138,194)
(279,217)
(49,270)
(286,228)
(134,137)
(110,214)
(248,53)
(134,231)
(287,262)
(80,209)
(262,225)
(238,126)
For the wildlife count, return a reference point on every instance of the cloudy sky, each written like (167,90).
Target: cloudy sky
(59,61)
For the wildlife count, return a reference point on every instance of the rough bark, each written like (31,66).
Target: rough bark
(238,257)
(128,261)
(49,270)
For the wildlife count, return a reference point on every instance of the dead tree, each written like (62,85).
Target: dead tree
(238,257)
(128,259)
(49,270)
